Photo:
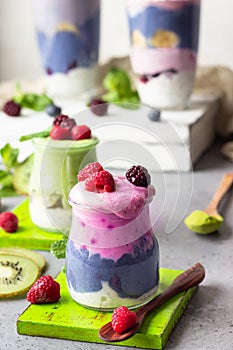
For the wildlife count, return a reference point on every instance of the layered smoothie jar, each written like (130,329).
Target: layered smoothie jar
(112,255)
(54,173)
(164,44)
(68,39)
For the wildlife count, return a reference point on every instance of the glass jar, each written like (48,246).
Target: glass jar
(55,167)
(68,39)
(164,44)
(110,260)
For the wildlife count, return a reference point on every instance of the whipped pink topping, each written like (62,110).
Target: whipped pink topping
(127,201)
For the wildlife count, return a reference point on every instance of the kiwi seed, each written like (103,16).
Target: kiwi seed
(17,274)
(39,259)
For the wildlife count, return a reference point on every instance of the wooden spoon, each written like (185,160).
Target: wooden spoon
(189,278)
(209,220)
(223,187)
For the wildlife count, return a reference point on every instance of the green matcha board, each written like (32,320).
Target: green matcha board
(28,235)
(66,319)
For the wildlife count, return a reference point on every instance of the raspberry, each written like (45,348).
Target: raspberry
(90,183)
(138,176)
(9,221)
(58,133)
(60,118)
(88,170)
(98,106)
(44,290)
(123,319)
(12,108)
(104,182)
(80,132)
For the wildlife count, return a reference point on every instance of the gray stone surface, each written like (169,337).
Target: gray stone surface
(207,323)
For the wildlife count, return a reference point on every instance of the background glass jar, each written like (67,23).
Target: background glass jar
(111,261)
(164,44)
(68,39)
(54,173)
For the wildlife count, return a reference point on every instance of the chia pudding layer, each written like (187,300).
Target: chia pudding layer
(112,255)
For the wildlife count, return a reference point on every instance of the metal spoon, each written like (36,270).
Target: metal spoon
(187,279)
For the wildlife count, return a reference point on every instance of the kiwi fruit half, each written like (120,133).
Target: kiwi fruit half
(17,274)
(39,259)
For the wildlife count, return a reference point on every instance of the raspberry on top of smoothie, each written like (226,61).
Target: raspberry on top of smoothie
(125,196)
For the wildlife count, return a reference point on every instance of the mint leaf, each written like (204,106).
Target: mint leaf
(5,179)
(9,156)
(37,102)
(58,248)
(44,133)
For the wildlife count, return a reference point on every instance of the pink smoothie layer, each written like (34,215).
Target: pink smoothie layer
(110,220)
(151,61)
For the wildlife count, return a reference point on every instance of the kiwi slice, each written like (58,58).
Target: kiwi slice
(39,260)
(17,274)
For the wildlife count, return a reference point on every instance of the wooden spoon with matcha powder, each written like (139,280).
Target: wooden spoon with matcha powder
(209,220)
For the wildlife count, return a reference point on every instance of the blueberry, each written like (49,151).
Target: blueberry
(154,115)
(53,110)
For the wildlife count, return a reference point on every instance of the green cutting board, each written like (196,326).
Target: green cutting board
(28,235)
(67,319)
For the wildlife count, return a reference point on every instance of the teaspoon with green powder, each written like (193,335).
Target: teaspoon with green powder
(209,220)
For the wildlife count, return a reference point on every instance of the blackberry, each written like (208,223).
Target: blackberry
(12,108)
(138,176)
(68,123)
(98,106)
(59,119)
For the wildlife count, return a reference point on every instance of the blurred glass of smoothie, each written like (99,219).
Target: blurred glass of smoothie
(164,44)
(68,39)
(55,167)
(112,255)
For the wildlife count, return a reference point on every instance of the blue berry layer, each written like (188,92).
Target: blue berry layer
(131,276)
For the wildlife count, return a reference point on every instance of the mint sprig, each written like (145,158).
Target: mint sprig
(36,102)
(44,133)
(58,248)
(10,164)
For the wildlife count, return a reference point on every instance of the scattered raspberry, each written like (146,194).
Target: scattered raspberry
(9,221)
(123,319)
(59,119)
(138,176)
(44,290)
(80,132)
(104,181)
(88,170)
(98,106)
(12,108)
(58,133)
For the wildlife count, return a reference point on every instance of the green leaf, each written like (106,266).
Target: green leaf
(32,101)
(5,180)
(9,156)
(58,248)
(8,192)
(44,133)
